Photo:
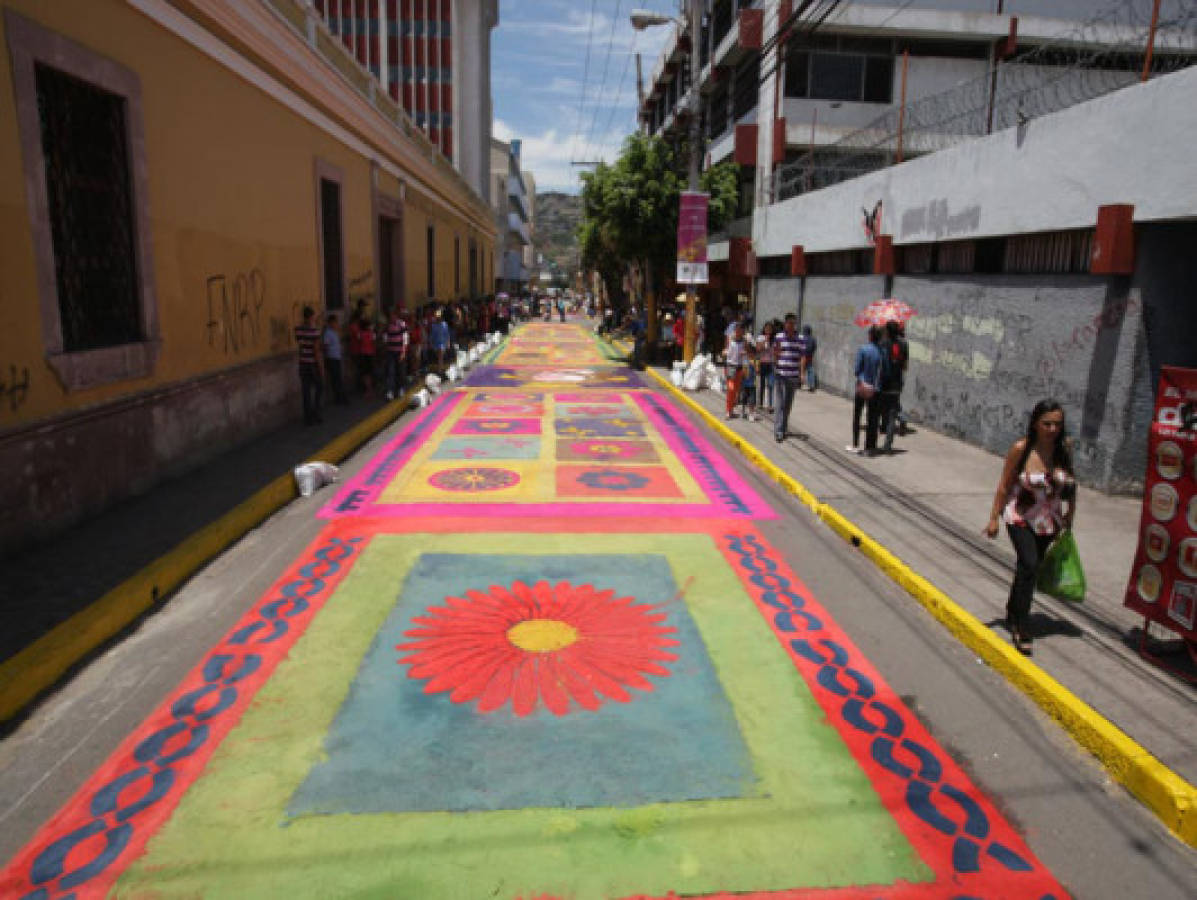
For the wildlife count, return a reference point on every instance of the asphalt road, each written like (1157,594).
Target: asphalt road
(1096,839)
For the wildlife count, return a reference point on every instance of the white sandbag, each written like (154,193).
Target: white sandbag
(474,354)
(463,359)
(433,383)
(310,477)
(421,399)
(453,374)
(677,376)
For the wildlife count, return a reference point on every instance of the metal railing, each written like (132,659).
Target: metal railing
(1081,63)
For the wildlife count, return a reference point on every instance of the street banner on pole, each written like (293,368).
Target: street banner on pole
(692,238)
(1163,583)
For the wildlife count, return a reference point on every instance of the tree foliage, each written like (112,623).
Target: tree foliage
(630,208)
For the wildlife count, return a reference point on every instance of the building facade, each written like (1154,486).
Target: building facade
(178,180)
(433,58)
(987,167)
(513,210)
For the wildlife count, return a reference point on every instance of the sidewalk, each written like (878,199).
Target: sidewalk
(45,585)
(928,502)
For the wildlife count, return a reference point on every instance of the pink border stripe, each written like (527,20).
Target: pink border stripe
(728,495)
(722,470)
(394,454)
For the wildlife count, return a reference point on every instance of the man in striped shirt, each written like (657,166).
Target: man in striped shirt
(311,366)
(787,356)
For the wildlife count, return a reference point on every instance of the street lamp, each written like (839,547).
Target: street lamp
(640,20)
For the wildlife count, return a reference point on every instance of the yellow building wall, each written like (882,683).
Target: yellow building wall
(233,214)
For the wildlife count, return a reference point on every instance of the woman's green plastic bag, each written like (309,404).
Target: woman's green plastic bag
(1060,573)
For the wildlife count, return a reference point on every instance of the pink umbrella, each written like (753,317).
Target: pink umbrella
(881,311)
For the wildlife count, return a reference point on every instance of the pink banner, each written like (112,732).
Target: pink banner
(692,238)
(1163,584)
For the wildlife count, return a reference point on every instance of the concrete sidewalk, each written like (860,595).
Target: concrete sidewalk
(44,585)
(928,503)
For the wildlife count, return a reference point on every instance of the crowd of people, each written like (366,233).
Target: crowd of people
(764,371)
(384,354)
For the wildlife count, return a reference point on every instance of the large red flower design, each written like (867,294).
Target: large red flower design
(557,644)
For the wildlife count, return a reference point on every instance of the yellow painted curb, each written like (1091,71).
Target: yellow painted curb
(25,675)
(1165,793)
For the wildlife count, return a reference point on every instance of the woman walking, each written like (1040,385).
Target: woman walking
(764,349)
(1037,481)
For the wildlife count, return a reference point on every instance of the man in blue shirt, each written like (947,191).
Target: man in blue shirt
(867,371)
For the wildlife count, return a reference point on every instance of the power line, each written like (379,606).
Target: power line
(585,79)
(622,81)
(603,81)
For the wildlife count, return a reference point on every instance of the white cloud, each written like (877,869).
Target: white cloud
(546,155)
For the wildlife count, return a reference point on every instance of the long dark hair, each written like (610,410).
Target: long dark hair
(1061,458)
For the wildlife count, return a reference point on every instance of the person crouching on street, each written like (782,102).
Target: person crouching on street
(1037,481)
(735,361)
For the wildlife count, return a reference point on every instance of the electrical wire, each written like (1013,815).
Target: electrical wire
(598,100)
(622,81)
(585,79)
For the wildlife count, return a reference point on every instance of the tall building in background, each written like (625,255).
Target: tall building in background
(435,62)
(513,215)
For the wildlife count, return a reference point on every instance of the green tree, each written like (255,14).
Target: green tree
(630,211)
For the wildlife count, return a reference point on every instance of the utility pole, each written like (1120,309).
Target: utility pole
(640,97)
(695,14)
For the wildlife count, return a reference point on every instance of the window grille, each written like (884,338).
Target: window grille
(84,143)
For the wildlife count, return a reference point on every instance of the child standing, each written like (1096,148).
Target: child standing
(748,386)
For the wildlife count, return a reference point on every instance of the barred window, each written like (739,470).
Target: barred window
(91,215)
(80,125)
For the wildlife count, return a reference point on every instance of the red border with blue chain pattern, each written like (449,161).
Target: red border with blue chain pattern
(956,831)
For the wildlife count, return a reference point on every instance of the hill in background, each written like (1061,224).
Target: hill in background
(557,218)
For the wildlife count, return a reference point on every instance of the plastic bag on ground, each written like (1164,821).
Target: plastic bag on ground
(421,399)
(463,359)
(433,384)
(453,374)
(310,477)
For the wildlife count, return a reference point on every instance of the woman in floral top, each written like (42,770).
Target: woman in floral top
(1036,500)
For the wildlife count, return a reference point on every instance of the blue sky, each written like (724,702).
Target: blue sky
(538,69)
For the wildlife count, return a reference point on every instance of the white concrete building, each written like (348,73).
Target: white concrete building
(1038,211)
(513,215)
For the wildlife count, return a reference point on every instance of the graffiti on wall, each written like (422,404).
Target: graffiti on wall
(15,387)
(1086,335)
(361,287)
(937,219)
(235,310)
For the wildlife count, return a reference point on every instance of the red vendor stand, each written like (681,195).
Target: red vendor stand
(1163,583)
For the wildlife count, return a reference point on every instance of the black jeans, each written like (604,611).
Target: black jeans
(891,402)
(335,382)
(1030,548)
(871,408)
(312,389)
(766,384)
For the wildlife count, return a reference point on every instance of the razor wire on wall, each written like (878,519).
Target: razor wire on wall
(1082,62)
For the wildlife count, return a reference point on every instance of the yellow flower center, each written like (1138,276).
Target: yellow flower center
(542,635)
